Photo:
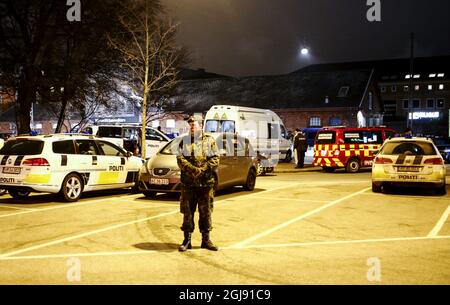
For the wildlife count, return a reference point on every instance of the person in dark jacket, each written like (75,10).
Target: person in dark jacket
(301,147)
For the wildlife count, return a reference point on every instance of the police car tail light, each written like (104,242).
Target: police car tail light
(434,161)
(36,162)
(380,160)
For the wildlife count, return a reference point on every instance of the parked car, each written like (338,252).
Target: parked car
(443,145)
(349,148)
(129,136)
(161,174)
(264,129)
(409,162)
(65,164)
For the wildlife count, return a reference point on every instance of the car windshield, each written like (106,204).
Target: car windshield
(172,147)
(219,126)
(22,147)
(409,148)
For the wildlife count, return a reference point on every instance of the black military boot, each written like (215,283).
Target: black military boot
(207,243)
(186,242)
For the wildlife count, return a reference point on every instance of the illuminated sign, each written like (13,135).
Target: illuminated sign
(423,115)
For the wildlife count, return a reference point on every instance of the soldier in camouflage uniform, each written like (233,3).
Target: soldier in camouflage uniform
(198,158)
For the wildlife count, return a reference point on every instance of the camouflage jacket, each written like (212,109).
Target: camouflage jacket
(198,159)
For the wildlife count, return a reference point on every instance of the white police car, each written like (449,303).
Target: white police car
(64,164)
(408,162)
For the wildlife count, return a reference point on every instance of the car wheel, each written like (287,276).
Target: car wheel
(251,180)
(376,188)
(19,194)
(72,188)
(442,190)
(288,158)
(353,166)
(328,169)
(149,194)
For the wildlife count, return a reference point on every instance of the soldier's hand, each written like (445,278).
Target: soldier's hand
(197,172)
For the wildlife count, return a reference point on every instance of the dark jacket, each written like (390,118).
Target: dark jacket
(300,142)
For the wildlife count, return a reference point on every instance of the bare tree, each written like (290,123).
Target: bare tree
(152,57)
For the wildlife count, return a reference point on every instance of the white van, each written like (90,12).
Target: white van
(126,136)
(262,127)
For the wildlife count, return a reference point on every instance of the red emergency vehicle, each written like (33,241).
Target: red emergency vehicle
(349,148)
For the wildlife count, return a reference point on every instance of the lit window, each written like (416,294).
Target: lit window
(441,87)
(433,75)
(430,87)
(315,122)
(406,88)
(441,75)
(417,87)
(155,124)
(417,76)
(408,76)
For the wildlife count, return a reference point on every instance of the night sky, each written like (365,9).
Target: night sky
(263,37)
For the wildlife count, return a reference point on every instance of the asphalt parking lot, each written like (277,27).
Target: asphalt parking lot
(297,227)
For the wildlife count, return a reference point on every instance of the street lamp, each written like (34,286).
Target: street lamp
(304,51)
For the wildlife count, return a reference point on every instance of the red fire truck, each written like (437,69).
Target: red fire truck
(349,148)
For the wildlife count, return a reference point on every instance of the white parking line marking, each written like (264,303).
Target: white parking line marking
(62,206)
(58,241)
(303,216)
(434,198)
(132,222)
(16,208)
(115,226)
(440,223)
(290,199)
(309,244)
(343,242)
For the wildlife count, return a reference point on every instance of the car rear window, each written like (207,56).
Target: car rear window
(64,147)
(328,137)
(409,148)
(110,132)
(22,147)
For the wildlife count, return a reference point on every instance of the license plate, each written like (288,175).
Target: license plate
(405,169)
(12,170)
(158,181)
(408,177)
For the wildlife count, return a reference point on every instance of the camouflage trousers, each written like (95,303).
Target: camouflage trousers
(193,198)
